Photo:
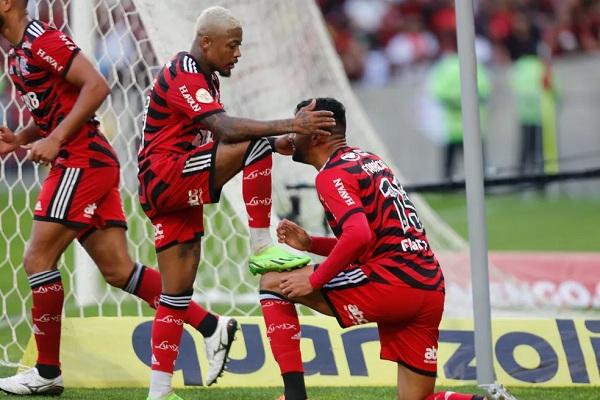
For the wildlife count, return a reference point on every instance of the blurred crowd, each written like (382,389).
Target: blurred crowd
(377,39)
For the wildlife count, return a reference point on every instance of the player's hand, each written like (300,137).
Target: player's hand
(45,150)
(296,284)
(284,145)
(308,121)
(8,140)
(293,235)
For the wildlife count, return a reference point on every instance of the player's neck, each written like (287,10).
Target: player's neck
(323,156)
(14,29)
(204,67)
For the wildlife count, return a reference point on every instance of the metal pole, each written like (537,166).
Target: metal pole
(87,280)
(475,193)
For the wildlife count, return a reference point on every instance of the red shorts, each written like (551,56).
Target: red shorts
(83,198)
(173,190)
(407,318)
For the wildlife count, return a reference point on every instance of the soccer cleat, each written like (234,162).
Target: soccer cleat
(30,382)
(170,396)
(497,391)
(275,259)
(217,347)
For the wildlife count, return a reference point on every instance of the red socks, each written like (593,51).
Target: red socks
(256,185)
(283,331)
(46,313)
(167,329)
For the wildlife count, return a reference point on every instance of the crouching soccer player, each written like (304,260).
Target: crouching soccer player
(380,267)
(79,198)
(190,149)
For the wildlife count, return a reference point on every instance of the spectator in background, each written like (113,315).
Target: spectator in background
(530,77)
(527,79)
(444,86)
(413,44)
(378,39)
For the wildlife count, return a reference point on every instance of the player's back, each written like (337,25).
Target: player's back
(399,253)
(180,97)
(38,66)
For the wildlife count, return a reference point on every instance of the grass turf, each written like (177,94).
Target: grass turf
(532,223)
(322,393)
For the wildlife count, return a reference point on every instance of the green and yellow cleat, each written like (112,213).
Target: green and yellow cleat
(275,259)
(171,396)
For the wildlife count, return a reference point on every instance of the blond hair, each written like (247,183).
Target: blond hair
(213,18)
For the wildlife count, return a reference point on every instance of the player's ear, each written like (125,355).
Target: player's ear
(317,139)
(6,5)
(204,42)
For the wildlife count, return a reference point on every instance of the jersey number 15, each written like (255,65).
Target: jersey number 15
(405,208)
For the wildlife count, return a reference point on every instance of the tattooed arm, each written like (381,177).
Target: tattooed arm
(231,129)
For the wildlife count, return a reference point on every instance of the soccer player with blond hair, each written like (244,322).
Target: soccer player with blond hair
(190,148)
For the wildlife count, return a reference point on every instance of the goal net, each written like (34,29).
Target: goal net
(287,57)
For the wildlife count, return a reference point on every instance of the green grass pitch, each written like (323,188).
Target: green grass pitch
(322,393)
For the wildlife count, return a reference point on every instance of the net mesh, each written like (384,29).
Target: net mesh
(287,57)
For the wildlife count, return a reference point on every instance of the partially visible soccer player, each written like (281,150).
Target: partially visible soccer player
(190,149)
(379,268)
(79,198)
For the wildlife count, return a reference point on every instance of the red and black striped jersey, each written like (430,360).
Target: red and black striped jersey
(354,181)
(38,66)
(180,98)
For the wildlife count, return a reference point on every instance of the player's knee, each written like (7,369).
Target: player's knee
(117,272)
(270,281)
(116,277)
(34,261)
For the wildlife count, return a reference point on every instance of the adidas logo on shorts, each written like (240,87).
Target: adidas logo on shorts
(89,211)
(430,356)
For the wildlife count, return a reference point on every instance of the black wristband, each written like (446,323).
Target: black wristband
(271,141)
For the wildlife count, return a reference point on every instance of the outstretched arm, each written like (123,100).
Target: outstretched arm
(232,129)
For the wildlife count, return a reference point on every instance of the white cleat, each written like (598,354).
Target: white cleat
(30,382)
(217,347)
(497,391)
